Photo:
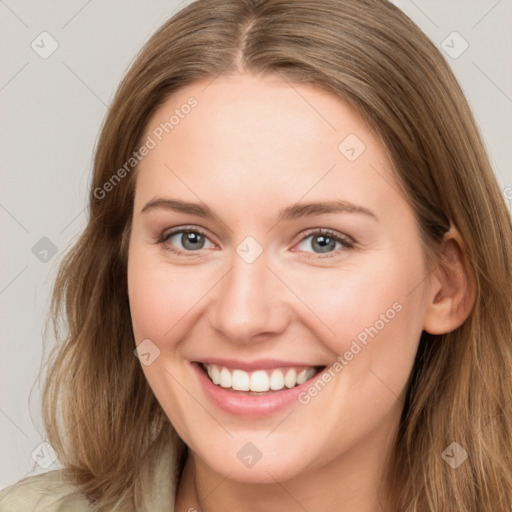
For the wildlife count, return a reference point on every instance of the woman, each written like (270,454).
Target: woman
(339,338)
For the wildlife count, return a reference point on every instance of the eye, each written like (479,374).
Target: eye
(191,240)
(325,241)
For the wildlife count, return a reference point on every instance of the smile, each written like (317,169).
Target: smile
(253,389)
(259,381)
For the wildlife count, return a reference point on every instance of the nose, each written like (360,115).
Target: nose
(249,304)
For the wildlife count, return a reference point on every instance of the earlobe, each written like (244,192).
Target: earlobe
(452,287)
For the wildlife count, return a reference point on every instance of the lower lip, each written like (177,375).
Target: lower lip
(251,406)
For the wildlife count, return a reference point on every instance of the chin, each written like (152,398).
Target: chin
(256,461)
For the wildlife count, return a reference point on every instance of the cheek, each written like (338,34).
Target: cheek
(162,302)
(160,297)
(372,312)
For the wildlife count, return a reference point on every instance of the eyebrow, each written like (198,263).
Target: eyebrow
(292,212)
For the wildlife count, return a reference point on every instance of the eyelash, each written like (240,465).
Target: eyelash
(346,242)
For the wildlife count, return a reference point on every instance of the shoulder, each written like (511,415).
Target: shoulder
(47,492)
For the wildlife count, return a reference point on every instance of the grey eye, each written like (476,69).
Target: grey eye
(319,243)
(190,240)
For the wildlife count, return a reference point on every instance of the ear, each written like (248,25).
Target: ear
(452,290)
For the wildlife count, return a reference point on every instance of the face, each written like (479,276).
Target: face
(271,250)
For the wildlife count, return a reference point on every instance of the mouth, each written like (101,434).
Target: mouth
(262,381)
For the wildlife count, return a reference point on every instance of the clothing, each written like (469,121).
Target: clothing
(46,492)
(51,492)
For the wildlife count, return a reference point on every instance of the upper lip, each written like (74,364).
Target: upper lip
(257,364)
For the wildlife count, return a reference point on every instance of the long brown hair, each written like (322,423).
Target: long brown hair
(100,413)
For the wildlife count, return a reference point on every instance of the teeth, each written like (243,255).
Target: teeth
(225,378)
(214,374)
(291,378)
(260,380)
(303,376)
(277,380)
(240,380)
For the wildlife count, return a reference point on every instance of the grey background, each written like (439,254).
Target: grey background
(52,109)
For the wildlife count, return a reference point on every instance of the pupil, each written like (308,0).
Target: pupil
(325,243)
(191,238)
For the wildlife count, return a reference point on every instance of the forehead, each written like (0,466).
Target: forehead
(261,136)
(253,110)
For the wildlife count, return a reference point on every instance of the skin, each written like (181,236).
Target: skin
(251,147)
